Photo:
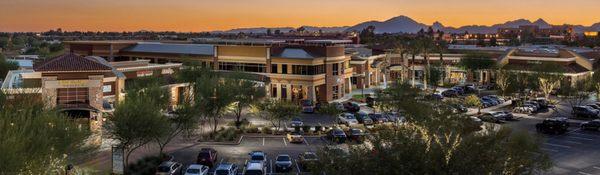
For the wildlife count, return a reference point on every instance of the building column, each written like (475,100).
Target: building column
(278,94)
(349,84)
(289,92)
(311,93)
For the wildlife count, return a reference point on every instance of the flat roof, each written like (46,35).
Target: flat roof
(238,41)
(170,48)
(102,42)
(328,41)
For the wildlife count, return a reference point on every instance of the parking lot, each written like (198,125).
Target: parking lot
(238,154)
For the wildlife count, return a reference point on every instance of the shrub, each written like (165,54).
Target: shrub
(306,128)
(472,101)
(146,165)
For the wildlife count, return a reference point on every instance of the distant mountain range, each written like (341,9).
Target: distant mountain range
(404,24)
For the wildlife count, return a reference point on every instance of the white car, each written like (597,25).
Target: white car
(347,119)
(524,109)
(195,169)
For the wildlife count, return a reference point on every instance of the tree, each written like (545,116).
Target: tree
(549,76)
(184,120)
(213,94)
(277,111)
(595,82)
(37,140)
(473,101)
(426,45)
(414,50)
(437,143)
(329,110)
(138,119)
(367,35)
(574,93)
(503,80)
(6,66)
(436,74)
(247,93)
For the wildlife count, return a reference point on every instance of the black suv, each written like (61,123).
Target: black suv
(585,111)
(553,126)
(591,125)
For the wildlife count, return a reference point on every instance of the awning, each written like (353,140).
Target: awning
(77,107)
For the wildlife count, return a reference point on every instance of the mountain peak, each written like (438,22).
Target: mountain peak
(542,23)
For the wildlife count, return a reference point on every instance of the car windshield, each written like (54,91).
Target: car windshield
(222,172)
(296,120)
(258,157)
(306,103)
(253,172)
(193,171)
(164,169)
(204,154)
(338,132)
(283,158)
(356,131)
(349,116)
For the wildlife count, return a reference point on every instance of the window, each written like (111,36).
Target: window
(284,68)
(274,90)
(274,68)
(308,70)
(335,68)
(246,67)
(283,91)
(335,92)
(72,96)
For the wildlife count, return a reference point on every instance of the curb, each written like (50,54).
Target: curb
(223,143)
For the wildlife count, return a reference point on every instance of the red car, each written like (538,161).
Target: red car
(207,157)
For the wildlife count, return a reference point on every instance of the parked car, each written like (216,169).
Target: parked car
(394,117)
(356,135)
(336,135)
(458,108)
(459,90)
(543,102)
(363,118)
(347,119)
(450,93)
(470,89)
(226,169)
(283,163)
(255,167)
(595,106)
(169,168)
(495,97)
(492,101)
(295,137)
(524,109)
(491,117)
(591,125)
(351,107)
(378,118)
(258,156)
(485,104)
(435,96)
(476,121)
(553,126)
(296,122)
(195,169)
(207,157)
(308,106)
(508,116)
(585,112)
(338,106)
(307,159)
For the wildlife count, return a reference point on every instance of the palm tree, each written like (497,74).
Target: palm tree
(414,49)
(426,45)
(441,47)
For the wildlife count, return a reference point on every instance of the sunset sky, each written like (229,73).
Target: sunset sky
(207,15)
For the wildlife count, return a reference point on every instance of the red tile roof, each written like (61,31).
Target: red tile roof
(71,63)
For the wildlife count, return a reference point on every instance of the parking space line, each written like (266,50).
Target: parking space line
(306,142)
(270,166)
(263,141)
(580,138)
(582,134)
(578,143)
(574,131)
(557,145)
(297,166)
(584,173)
(220,162)
(551,150)
(285,143)
(598,168)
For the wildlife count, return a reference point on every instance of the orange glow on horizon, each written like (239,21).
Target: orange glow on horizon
(204,15)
